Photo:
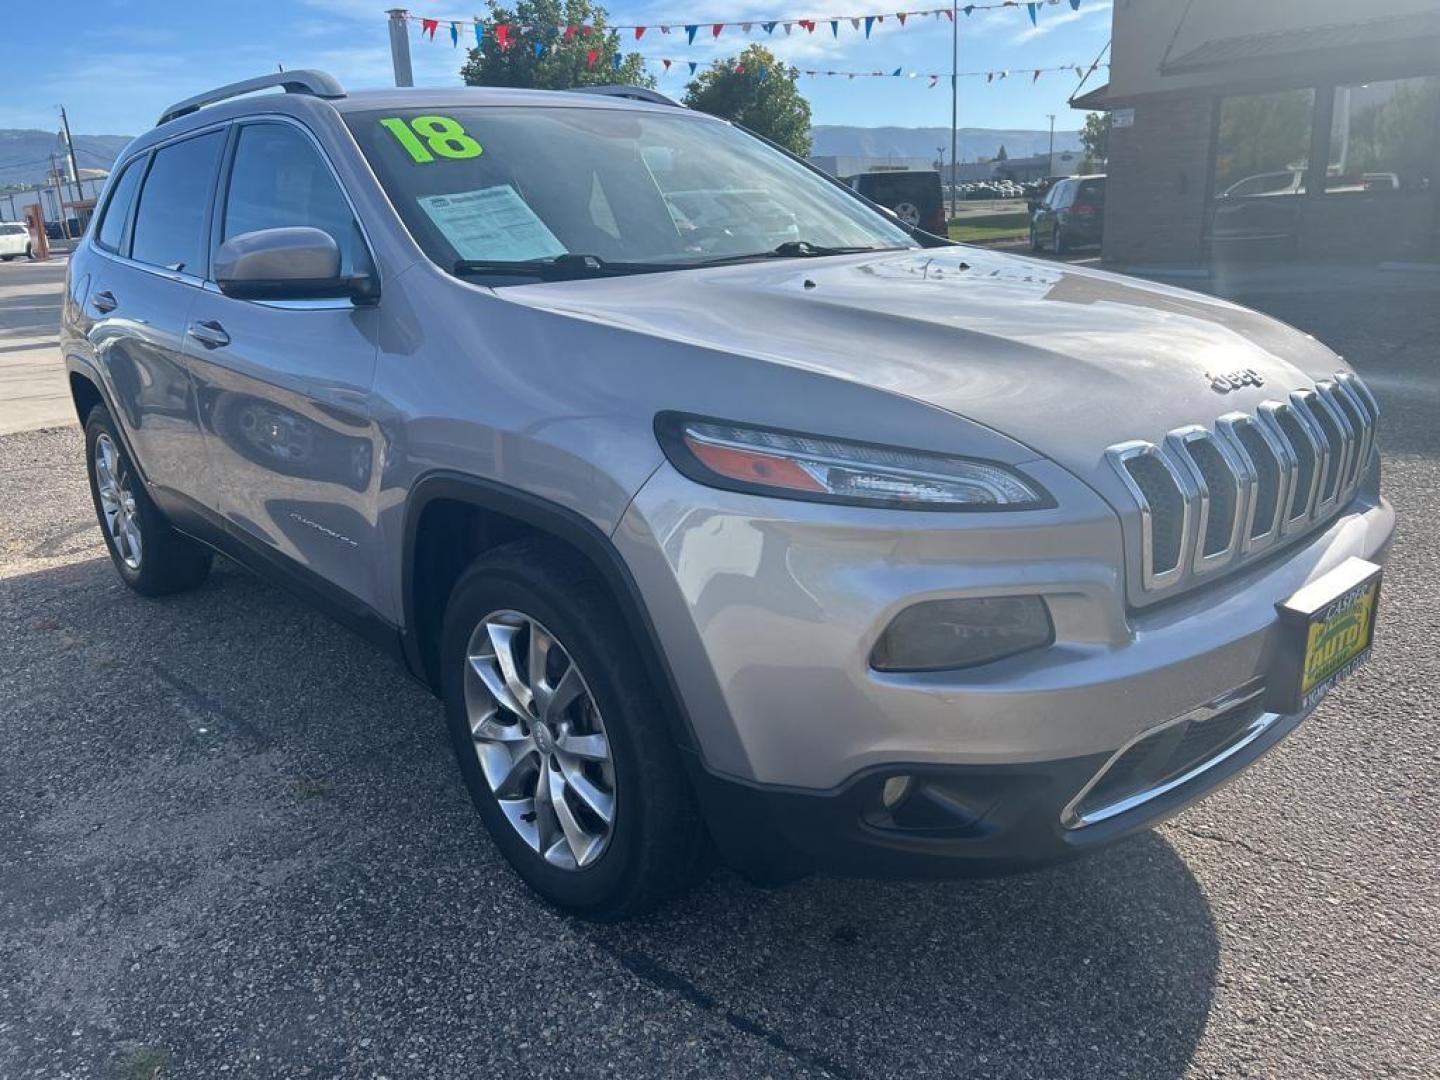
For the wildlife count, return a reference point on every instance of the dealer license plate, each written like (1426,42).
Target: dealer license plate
(1329,627)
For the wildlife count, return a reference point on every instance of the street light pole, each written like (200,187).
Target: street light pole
(400,47)
(1050,158)
(954,95)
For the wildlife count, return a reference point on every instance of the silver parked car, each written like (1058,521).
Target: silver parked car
(859,551)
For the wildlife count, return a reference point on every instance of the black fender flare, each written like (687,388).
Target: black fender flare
(573,529)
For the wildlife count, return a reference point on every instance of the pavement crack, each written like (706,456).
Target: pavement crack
(203,701)
(1261,853)
(653,973)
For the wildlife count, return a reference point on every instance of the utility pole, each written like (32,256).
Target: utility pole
(59,198)
(954,95)
(1050,158)
(400,47)
(74,165)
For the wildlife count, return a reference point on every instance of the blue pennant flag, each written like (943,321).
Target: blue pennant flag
(619,60)
(1074,5)
(835,28)
(693,66)
(454,34)
(896,73)
(690,33)
(479,36)
(768,27)
(969,8)
(1033,8)
(539,49)
(869,24)
(760,72)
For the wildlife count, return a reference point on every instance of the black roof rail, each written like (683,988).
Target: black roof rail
(315,83)
(634,93)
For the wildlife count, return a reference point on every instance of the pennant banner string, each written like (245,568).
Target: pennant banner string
(690,25)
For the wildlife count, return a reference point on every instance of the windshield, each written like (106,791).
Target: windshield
(483,185)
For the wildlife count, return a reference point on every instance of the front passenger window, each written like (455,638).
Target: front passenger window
(279,180)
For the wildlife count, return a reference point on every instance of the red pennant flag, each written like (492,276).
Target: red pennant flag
(586,31)
(901,15)
(808,24)
(739,69)
(570,32)
(666,63)
(949,15)
(502,35)
(591,55)
(933,80)
(639,32)
(429,26)
(715,30)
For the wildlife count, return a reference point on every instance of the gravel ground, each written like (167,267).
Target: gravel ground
(233,842)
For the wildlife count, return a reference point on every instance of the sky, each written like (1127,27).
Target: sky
(115,64)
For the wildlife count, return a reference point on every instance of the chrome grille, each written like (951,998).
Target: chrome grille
(1209,499)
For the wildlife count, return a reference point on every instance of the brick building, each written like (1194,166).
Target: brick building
(1283,129)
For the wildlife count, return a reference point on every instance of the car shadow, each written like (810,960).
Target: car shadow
(228,767)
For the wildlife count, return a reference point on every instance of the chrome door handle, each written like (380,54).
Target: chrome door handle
(105,302)
(209,333)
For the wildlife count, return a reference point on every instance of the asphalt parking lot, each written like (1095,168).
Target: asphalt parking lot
(233,842)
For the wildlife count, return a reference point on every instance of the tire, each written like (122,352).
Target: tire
(1034,239)
(29,251)
(654,845)
(150,556)
(1057,241)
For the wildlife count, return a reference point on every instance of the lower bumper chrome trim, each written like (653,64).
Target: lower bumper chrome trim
(1077,814)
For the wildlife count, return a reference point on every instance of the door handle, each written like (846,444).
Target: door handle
(209,333)
(105,302)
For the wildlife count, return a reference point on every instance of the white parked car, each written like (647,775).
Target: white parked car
(14,240)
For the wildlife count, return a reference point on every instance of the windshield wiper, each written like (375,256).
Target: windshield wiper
(793,249)
(555,268)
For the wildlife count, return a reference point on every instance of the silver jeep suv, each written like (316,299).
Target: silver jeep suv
(723,512)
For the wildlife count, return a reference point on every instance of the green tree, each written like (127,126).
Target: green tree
(1001,155)
(1095,137)
(758,92)
(562,63)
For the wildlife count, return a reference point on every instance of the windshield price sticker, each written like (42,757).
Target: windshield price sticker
(427,137)
(491,223)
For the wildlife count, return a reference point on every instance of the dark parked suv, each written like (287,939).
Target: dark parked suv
(914,196)
(1072,214)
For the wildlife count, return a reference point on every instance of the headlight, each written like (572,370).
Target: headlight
(814,468)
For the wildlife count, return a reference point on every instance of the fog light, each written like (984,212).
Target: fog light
(938,635)
(895,790)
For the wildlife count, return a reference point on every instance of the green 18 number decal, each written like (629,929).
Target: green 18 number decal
(443,137)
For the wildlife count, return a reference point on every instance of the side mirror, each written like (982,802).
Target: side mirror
(293,263)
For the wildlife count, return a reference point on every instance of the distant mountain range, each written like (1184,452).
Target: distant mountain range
(25,153)
(923,142)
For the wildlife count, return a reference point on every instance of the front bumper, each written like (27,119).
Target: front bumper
(963,820)
(768,612)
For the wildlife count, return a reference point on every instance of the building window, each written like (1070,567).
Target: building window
(1264,144)
(1384,136)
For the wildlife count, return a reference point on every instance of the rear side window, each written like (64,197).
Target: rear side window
(1092,192)
(111,234)
(278,180)
(170,222)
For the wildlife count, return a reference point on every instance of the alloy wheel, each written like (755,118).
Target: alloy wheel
(540,739)
(117,502)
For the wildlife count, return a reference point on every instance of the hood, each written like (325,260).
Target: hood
(1064,359)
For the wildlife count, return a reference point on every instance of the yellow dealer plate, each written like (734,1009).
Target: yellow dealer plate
(1338,638)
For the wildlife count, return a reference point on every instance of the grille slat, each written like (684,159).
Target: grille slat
(1209,499)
